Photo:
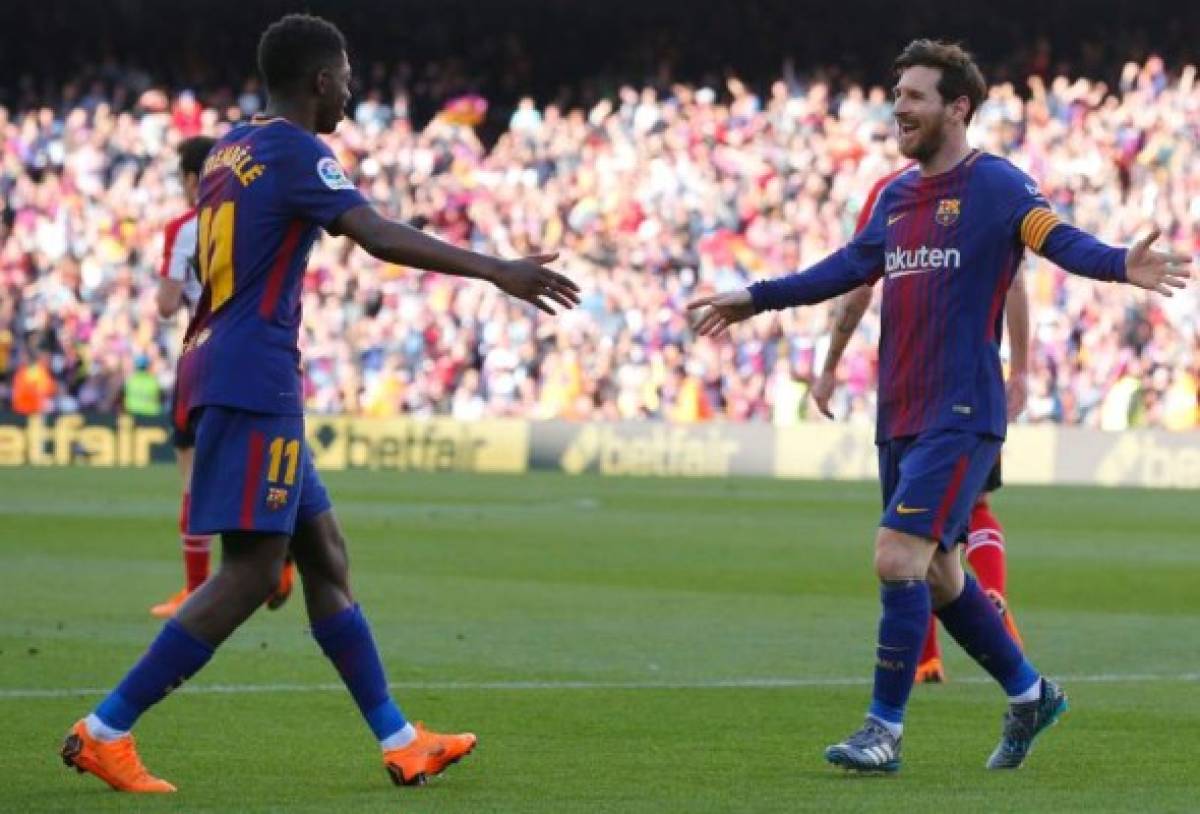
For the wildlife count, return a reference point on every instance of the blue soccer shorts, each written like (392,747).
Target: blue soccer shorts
(252,472)
(930,481)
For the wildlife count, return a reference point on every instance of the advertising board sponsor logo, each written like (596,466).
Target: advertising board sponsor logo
(650,449)
(422,445)
(1152,459)
(85,440)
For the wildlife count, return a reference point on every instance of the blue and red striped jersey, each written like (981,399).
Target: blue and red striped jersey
(951,248)
(947,247)
(266,190)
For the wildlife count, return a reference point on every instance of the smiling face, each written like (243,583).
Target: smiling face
(923,117)
(333,94)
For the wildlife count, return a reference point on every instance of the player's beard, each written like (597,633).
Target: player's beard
(930,138)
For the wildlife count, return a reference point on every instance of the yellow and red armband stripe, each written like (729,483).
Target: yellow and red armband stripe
(1036,227)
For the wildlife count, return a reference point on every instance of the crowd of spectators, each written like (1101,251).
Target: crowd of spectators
(650,195)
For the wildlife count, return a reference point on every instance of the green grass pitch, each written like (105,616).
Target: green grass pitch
(627,645)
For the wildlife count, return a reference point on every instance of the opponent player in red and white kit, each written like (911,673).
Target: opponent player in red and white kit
(179,288)
(984,539)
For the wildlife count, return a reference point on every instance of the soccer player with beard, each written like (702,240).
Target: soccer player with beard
(946,237)
(983,539)
(267,189)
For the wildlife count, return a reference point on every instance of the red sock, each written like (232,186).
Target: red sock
(196,548)
(932,650)
(985,548)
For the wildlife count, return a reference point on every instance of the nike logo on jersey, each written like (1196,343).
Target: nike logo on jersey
(902,509)
(893,218)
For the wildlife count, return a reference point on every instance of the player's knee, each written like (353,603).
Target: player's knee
(896,559)
(253,578)
(890,567)
(259,584)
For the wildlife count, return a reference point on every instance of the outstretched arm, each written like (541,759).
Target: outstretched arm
(847,314)
(1080,253)
(854,265)
(858,263)
(526,279)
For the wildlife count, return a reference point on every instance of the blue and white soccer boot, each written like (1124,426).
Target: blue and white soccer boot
(1023,722)
(871,749)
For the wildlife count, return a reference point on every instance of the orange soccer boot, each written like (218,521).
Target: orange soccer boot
(428,755)
(165,610)
(115,762)
(931,671)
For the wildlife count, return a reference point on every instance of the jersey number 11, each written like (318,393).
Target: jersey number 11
(216,252)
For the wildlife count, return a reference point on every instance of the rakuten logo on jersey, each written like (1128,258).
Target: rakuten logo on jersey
(900,262)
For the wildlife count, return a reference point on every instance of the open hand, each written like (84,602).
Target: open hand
(1154,270)
(528,279)
(723,310)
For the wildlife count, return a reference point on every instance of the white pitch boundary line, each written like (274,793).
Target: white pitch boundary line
(716,684)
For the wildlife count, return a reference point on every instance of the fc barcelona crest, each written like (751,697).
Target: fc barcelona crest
(948,211)
(276,498)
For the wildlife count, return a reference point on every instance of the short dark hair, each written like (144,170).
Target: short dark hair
(296,46)
(192,153)
(960,75)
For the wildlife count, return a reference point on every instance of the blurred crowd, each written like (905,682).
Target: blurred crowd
(650,196)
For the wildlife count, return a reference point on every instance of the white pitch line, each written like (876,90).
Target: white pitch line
(716,684)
